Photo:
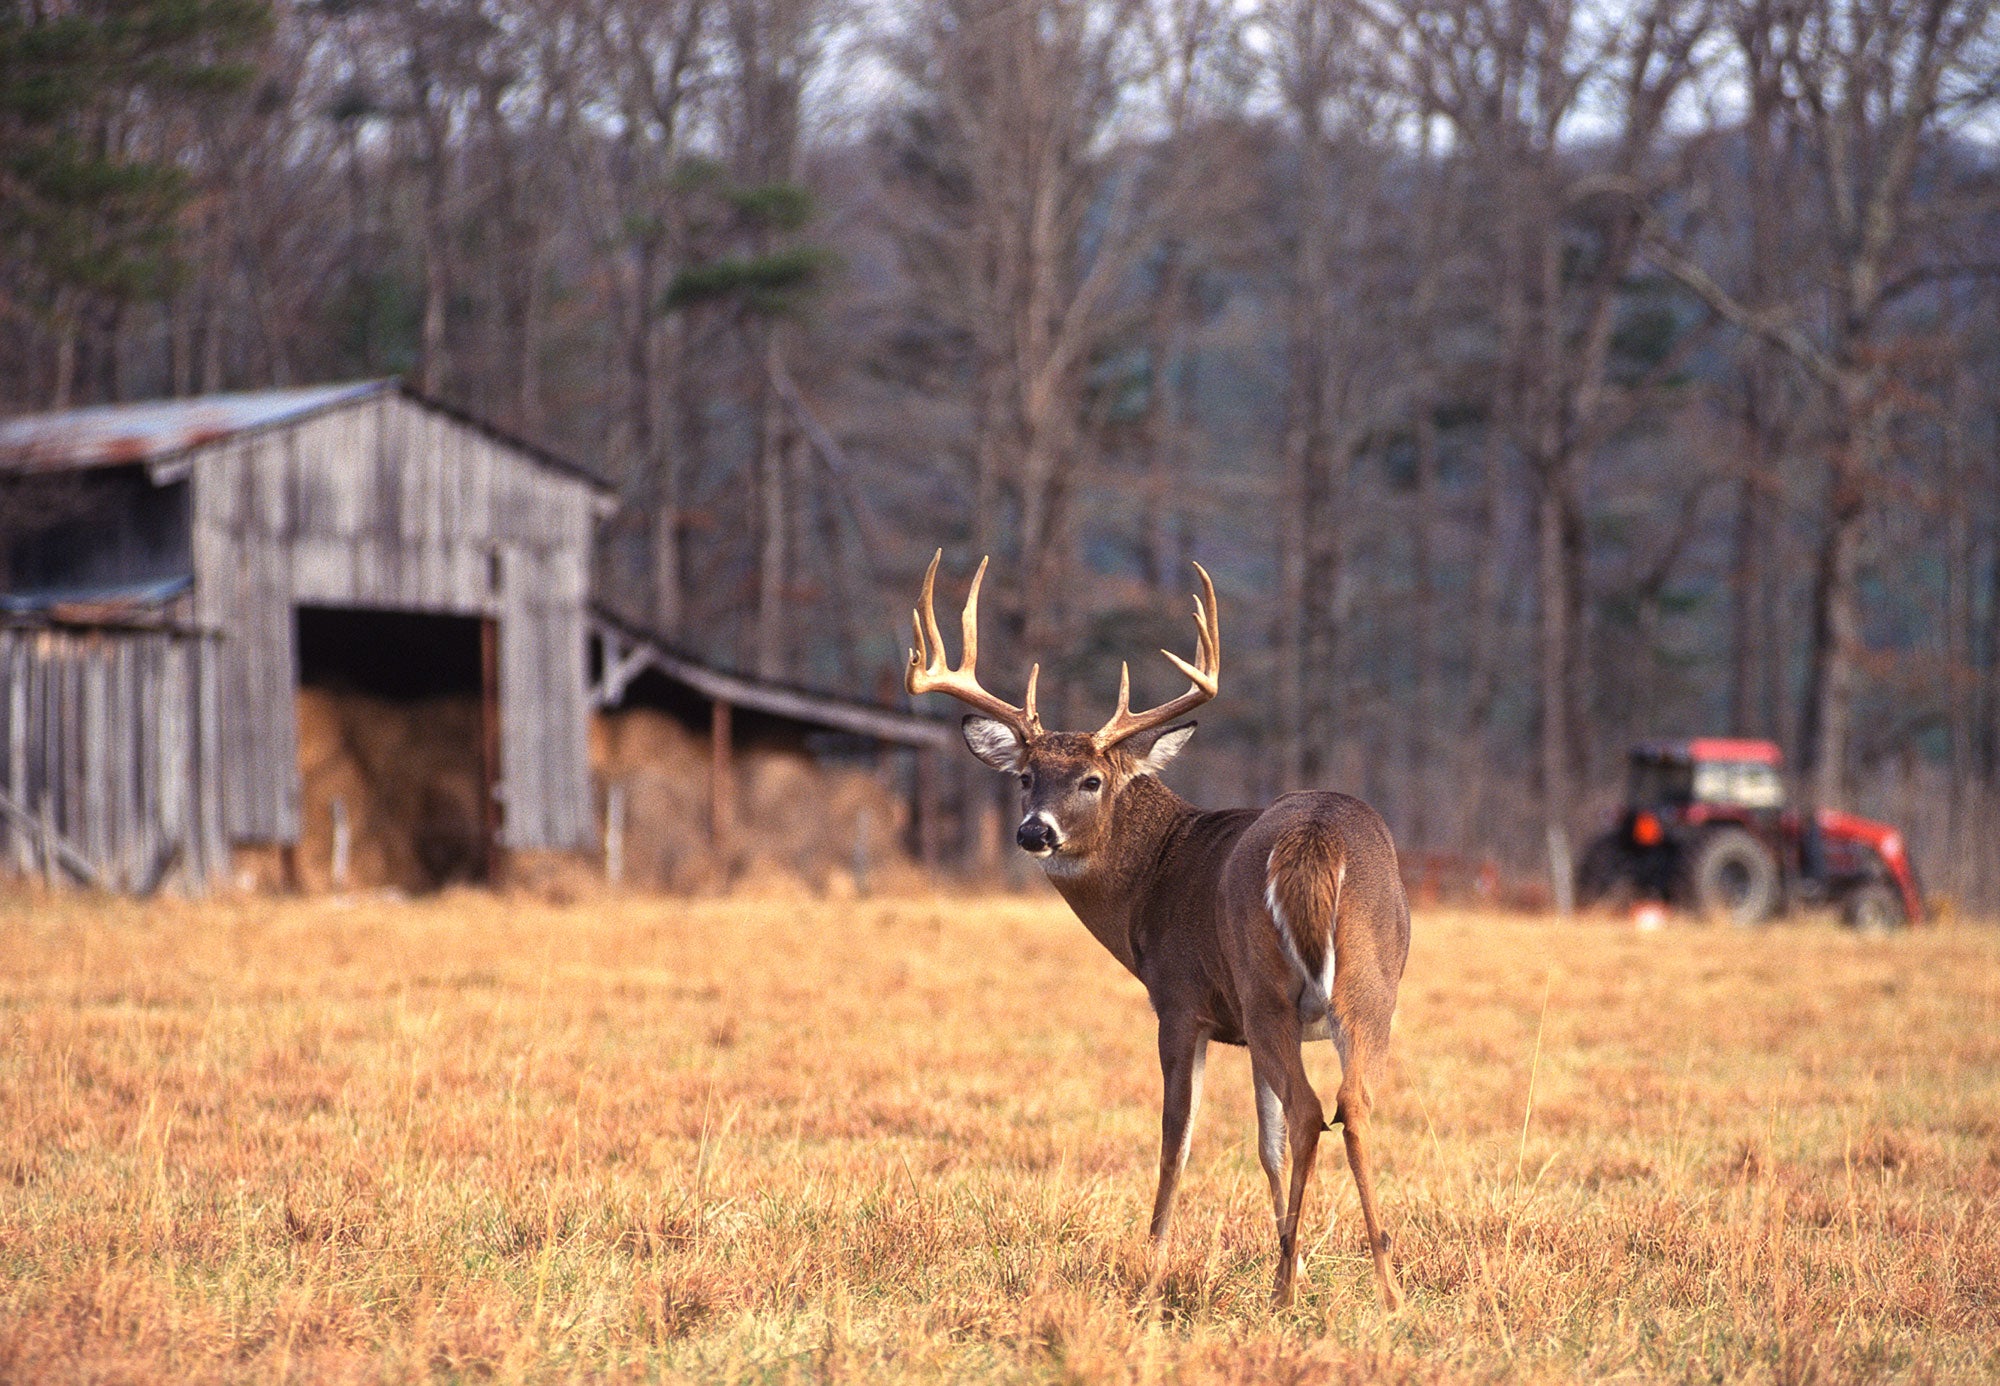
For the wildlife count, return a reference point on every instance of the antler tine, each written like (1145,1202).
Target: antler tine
(968,621)
(930,641)
(930,670)
(1205,675)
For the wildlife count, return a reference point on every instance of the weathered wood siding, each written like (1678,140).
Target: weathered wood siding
(110,737)
(384,503)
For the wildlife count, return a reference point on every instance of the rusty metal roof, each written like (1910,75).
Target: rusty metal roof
(111,435)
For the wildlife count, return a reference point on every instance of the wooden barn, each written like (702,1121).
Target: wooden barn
(173,574)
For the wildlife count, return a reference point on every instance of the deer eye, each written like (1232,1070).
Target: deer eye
(1027,780)
(1091,784)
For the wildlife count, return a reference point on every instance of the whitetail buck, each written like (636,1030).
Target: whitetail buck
(1264,928)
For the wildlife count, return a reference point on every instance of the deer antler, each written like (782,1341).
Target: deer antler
(928,672)
(1205,671)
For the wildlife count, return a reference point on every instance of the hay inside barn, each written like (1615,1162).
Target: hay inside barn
(405,777)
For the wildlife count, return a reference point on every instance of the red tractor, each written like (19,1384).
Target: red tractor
(1705,828)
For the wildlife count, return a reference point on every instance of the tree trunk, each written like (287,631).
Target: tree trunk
(1990,755)
(773,519)
(1423,724)
(1961,703)
(1746,581)
(1751,656)
(430,364)
(67,329)
(1162,422)
(1836,635)
(1307,466)
(1553,595)
(1289,629)
(528,342)
(666,551)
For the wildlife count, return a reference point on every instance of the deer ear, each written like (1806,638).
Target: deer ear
(1164,746)
(994,742)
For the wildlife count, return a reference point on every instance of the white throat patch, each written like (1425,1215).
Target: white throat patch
(1056,864)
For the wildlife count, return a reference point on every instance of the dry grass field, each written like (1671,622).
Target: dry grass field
(482,1138)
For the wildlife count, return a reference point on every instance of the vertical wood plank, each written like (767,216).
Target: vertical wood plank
(721,778)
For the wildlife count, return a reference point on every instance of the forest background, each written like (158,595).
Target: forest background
(1534,376)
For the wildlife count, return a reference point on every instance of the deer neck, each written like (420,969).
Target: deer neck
(1105,889)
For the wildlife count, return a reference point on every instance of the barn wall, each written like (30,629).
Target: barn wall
(108,736)
(385,503)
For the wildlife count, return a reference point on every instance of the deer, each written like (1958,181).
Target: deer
(1266,928)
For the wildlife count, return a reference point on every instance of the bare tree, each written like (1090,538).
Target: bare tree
(1513,78)
(1024,232)
(1869,85)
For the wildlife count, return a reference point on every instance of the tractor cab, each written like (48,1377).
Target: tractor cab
(1709,776)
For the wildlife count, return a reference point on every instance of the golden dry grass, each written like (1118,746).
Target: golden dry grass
(648,1139)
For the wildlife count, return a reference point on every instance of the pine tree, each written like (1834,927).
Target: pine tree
(87,212)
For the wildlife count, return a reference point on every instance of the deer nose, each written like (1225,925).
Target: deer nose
(1036,834)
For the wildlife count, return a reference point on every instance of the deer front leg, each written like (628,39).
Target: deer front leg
(1183,1055)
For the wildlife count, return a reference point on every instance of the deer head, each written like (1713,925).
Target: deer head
(1070,781)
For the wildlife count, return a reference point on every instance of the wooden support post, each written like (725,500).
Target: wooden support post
(50,876)
(614,832)
(343,845)
(721,779)
(492,821)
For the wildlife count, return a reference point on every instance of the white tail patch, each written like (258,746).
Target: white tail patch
(1318,988)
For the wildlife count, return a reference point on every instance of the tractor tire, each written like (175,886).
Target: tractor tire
(1873,909)
(1733,876)
(1606,875)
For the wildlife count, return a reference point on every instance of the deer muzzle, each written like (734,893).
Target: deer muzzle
(1037,835)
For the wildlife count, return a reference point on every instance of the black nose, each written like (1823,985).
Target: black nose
(1035,836)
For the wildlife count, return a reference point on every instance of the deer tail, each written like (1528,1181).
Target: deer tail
(1302,880)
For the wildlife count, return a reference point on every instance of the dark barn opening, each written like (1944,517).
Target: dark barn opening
(78,536)
(398,743)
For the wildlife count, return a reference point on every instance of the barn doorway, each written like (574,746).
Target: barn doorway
(398,749)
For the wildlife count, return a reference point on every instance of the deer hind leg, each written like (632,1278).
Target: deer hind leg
(1281,1068)
(1183,1056)
(1351,1111)
(1271,1137)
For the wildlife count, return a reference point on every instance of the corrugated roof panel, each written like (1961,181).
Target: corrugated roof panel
(110,435)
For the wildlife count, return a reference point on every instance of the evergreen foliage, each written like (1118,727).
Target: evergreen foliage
(765,279)
(84,205)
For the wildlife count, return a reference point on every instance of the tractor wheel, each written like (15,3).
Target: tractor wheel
(1873,909)
(1605,875)
(1734,877)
